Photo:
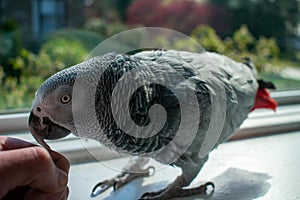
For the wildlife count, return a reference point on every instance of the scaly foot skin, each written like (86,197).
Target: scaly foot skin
(120,180)
(170,192)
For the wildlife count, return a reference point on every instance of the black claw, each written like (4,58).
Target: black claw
(149,169)
(144,195)
(98,189)
(115,185)
(210,184)
(151,195)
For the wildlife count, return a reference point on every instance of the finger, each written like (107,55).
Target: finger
(34,194)
(60,161)
(32,166)
(8,143)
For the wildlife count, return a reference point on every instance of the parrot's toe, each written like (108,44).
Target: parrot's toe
(168,193)
(120,180)
(151,195)
(101,187)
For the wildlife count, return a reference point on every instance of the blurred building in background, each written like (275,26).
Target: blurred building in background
(37,18)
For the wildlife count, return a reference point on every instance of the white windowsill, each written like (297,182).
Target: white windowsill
(260,168)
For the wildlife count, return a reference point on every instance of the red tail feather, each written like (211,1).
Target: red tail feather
(264,100)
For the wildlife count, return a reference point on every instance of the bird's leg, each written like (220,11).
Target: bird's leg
(189,171)
(134,169)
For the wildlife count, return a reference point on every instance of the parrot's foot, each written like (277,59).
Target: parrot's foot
(120,180)
(170,192)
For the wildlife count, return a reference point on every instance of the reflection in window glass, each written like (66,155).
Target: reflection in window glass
(40,37)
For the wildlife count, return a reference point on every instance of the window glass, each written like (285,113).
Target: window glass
(40,37)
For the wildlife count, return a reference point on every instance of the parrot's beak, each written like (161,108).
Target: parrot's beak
(44,128)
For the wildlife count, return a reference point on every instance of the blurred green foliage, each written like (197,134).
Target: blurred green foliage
(89,39)
(13,95)
(54,55)
(104,28)
(63,53)
(263,52)
(208,38)
(10,47)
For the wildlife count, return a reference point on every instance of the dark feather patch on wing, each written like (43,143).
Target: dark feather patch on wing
(263,84)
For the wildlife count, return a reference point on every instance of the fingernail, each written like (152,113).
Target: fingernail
(62,178)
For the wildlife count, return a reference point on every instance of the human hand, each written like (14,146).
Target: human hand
(31,172)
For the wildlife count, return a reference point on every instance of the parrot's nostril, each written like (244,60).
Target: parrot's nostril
(38,109)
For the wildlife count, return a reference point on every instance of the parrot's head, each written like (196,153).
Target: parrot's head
(51,114)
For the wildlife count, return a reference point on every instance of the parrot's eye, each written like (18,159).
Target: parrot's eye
(65,98)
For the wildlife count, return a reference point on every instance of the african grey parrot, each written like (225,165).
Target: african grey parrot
(222,88)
